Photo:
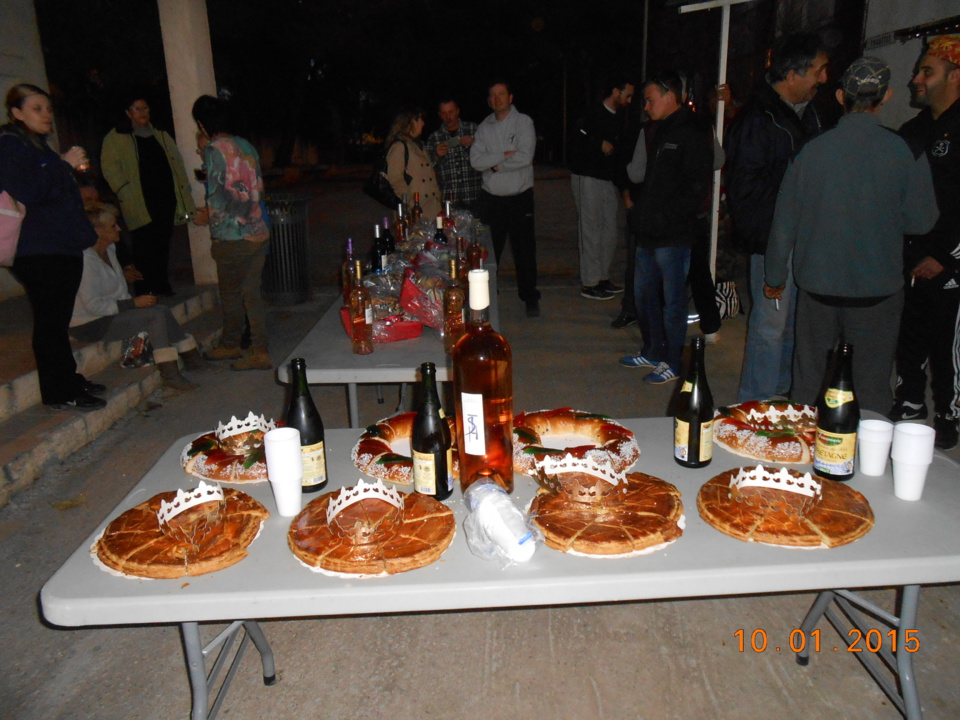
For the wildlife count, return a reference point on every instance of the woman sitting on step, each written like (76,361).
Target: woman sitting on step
(104,310)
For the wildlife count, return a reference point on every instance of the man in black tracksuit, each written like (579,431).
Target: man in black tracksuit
(930,325)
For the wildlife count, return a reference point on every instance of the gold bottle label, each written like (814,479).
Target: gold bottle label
(687,386)
(834,453)
(681,441)
(314,464)
(424,473)
(835,398)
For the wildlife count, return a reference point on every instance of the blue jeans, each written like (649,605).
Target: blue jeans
(663,323)
(768,357)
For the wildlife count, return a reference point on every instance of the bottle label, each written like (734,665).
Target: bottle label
(474,442)
(314,464)
(425,478)
(368,315)
(687,386)
(681,441)
(835,398)
(834,452)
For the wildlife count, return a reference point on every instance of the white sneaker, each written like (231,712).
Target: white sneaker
(711,338)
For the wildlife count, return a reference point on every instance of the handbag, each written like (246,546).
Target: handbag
(728,299)
(11,218)
(379,188)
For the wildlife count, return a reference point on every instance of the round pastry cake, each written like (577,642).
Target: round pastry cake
(590,516)
(233,453)
(779,506)
(776,432)
(603,439)
(374,453)
(371,529)
(203,538)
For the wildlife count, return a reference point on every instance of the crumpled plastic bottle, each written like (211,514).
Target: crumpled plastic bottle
(496,528)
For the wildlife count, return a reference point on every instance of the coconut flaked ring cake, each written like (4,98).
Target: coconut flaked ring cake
(644,514)
(374,454)
(608,440)
(374,535)
(776,432)
(233,453)
(780,506)
(202,539)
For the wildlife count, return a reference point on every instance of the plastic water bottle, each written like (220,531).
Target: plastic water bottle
(495,526)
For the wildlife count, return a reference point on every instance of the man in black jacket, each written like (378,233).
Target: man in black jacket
(930,324)
(676,183)
(765,136)
(595,172)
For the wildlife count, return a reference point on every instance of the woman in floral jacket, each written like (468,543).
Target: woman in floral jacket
(239,233)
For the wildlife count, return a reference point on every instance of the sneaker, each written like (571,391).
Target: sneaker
(661,374)
(903,410)
(84,402)
(711,338)
(609,287)
(948,431)
(533,308)
(622,321)
(92,388)
(595,293)
(636,361)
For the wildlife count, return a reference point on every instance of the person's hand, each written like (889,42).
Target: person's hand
(142,301)
(131,274)
(773,293)
(76,155)
(509,154)
(442,150)
(927,269)
(606,148)
(627,201)
(201,216)
(466,140)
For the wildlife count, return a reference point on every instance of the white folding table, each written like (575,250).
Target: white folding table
(911,544)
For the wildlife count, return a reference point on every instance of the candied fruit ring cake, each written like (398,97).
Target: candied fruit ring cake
(374,455)
(205,459)
(612,441)
(777,432)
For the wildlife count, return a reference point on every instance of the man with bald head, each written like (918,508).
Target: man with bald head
(930,325)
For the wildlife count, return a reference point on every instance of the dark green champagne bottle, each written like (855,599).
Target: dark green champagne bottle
(838,415)
(302,414)
(430,441)
(693,423)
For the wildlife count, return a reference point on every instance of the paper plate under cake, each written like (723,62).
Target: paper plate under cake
(179,533)
(779,506)
(772,432)
(233,453)
(370,530)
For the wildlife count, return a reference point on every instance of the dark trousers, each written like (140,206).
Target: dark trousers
(51,282)
(702,287)
(628,303)
(930,331)
(512,216)
(151,255)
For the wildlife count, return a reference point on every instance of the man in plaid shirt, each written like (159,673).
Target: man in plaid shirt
(449,147)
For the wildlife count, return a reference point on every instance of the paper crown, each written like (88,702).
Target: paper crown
(780,480)
(790,412)
(557,465)
(185,500)
(362,491)
(248,424)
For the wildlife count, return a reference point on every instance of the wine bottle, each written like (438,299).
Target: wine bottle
(389,241)
(838,415)
(302,414)
(454,301)
(399,225)
(430,441)
(483,389)
(474,255)
(346,273)
(448,220)
(440,237)
(693,423)
(361,314)
(416,212)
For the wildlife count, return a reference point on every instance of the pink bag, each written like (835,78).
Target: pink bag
(11,217)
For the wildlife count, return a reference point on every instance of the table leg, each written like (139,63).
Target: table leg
(859,627)
(352,403)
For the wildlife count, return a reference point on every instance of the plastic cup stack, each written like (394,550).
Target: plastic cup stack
(285,469)
(912,453)
(874,438)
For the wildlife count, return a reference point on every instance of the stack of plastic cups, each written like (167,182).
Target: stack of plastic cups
(873,439)
(912,453)
(285,469)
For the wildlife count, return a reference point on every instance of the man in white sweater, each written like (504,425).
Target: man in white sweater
(503,152)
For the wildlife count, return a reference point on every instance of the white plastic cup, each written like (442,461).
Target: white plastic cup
(874,438)
(285,469)
(908,479)
(912,443)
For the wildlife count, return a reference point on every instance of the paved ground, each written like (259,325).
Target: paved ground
(675,659)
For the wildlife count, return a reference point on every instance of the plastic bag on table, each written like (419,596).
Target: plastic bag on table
(496,529)
(422,295)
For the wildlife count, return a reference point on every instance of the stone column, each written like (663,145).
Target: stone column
(189,60)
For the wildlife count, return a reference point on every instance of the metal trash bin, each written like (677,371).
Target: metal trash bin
(286,278)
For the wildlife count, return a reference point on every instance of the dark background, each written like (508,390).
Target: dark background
(328,72)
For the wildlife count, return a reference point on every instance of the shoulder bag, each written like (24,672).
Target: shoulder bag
(379,188)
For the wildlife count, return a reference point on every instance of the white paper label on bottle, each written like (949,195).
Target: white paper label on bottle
(424,473)
(368,316)
(314,464)
(474,442)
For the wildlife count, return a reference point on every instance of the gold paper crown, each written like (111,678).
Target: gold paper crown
(363,490)
(186,500)
(555,465)
(780,480)
(248,424)
(774,414)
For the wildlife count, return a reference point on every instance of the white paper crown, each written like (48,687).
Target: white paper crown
(790,412)
(248,424)
(186,500)
(555,465)
(780,480)
(363,490)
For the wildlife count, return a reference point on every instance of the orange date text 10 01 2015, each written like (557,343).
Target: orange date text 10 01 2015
(870,641)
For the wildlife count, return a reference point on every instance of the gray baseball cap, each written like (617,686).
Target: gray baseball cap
(866,77)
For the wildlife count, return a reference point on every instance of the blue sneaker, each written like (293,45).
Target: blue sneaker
(661,374)
(637,361)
